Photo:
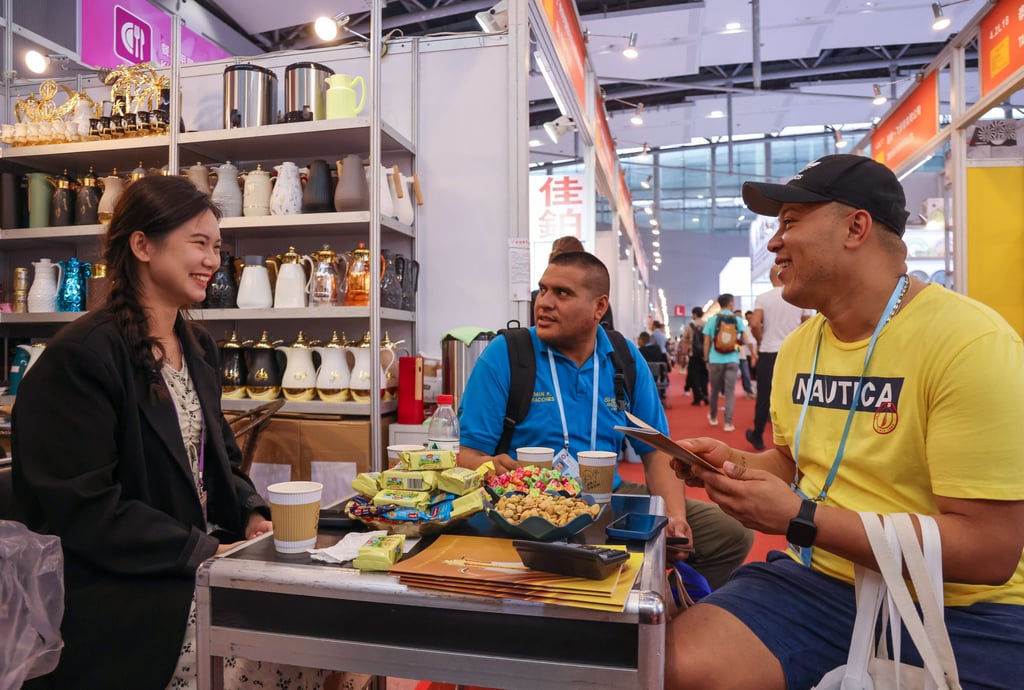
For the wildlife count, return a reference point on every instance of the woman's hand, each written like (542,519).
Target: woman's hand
(258,525)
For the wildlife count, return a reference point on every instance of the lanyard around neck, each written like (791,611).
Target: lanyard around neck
(561,408)
(882,321)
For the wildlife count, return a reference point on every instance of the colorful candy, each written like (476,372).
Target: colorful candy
(535,481)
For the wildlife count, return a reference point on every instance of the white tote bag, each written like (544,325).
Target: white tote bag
(869,666)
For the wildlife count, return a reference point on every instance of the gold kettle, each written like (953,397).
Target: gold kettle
(357,281)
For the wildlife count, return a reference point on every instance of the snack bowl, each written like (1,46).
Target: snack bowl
(540,529)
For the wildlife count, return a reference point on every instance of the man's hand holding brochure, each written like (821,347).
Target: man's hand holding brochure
(651,436)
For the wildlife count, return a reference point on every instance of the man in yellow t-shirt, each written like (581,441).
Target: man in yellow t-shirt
(877,406)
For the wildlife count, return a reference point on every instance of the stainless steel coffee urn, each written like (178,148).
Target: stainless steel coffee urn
(458,358)
(305,84)
(250,96)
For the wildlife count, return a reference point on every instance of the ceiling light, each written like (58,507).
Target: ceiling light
(630,50)
(716,115)
(657,260)
(638,116)
(840,142)
(940,20)
(494,20)
(655,231)
(879,98)
(655,243)
(655,267)
(653,221)
(646,150)
(646,184)
(649,210)
(733,26)
(535,142)
(559,127)
(695,220)
(657,254)
(328,28)
(37,62)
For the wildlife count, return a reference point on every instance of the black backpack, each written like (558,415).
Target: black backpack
(697,341)
(523,375)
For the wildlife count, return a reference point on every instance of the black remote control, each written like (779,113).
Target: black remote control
(577,560)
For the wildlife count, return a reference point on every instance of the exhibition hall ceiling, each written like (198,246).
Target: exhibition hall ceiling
(817,63)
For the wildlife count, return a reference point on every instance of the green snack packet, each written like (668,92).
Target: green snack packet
(427,459)
(367,483)
(472,502)
(380,553)
(408,480)
(406,499)
(459,480)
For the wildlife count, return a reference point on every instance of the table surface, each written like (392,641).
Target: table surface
(256,603)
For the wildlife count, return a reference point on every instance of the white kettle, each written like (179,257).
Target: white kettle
(335,373)
(299,379)
(292,284)
(42,296)
(362,369)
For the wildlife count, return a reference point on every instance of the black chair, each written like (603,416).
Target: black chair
(659,370)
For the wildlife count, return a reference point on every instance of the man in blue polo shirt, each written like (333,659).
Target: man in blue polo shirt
(568,413)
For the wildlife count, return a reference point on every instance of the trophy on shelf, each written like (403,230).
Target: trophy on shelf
(39,119)
(137,100)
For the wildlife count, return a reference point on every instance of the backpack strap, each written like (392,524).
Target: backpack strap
(522,375)
(625,369)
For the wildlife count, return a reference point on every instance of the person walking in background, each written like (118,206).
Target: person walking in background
(748,354)
(722,353)
(773,319)
(692,351)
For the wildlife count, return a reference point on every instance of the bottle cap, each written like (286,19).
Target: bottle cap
(445,399)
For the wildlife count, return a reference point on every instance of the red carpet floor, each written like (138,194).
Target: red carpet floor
(686,420)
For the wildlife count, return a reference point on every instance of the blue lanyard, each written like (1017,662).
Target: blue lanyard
(894,299)
(561,409)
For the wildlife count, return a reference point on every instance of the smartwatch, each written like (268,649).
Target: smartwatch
(802,530)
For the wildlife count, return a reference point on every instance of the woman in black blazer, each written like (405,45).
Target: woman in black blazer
(121,450)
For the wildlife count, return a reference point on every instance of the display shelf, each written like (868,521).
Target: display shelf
(293,141)
(305,313)
(42,317)
(311,407)
(310,225)
(31,237)
(102,155)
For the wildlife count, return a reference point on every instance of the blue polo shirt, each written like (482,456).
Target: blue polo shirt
(716,357)
(485,399)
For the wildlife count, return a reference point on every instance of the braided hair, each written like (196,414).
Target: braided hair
(155,206)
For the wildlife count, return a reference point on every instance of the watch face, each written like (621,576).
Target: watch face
(801,533)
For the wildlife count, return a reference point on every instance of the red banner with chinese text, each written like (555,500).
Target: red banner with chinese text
(1002,44)
(568,39)
(905,130)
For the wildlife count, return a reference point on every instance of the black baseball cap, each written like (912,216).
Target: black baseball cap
(853,180)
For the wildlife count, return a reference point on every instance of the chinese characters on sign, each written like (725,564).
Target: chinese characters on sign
(557,203)
(1002,44)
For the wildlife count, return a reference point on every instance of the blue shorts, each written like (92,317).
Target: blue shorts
(805,618)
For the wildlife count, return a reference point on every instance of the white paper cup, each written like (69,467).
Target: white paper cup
(394,452)
(533,455)
(295,511)
(597,473)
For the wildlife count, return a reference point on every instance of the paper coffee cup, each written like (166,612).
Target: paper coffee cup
(295,511)
(597,473)
(394,452)
(532,455)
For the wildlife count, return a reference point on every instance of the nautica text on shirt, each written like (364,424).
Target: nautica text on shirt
(836,392)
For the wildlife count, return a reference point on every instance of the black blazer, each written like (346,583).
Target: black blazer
(101,464)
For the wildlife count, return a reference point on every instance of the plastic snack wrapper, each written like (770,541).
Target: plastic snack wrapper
(427,459)
(367,483)
(408,480)
(31,602)
(459,480)
(380,553)
(405,499)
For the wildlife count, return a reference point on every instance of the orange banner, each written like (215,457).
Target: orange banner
(906,130)
(1002,44)
(568,39)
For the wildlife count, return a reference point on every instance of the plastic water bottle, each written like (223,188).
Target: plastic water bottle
(443,432)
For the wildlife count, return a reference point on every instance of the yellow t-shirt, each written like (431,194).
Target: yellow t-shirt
(940,414)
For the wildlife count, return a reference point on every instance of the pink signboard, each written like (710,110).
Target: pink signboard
(116,32)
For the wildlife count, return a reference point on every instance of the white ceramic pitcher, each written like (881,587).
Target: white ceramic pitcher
(299,379)
(335,373)
(42,296)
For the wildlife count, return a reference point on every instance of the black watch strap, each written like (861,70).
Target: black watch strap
(802,530)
